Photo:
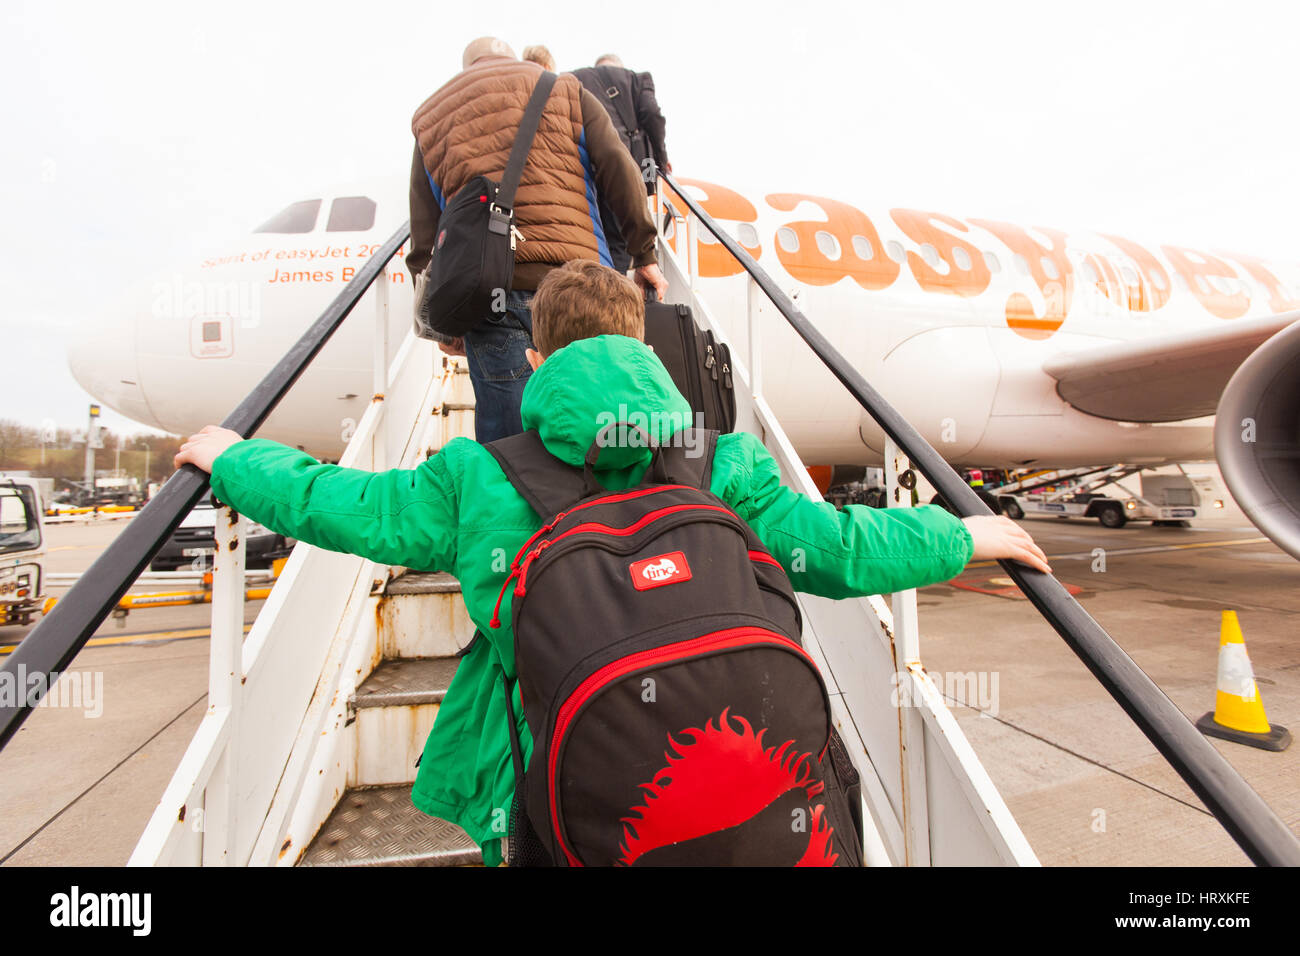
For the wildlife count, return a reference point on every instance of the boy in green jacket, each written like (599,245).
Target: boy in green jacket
(457,512)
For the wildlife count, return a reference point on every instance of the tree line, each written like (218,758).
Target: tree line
(57,454)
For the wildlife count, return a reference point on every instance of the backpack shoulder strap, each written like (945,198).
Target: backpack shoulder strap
(545,482)
(615,97)
(551,486)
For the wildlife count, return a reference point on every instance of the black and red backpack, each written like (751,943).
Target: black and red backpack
(676,718)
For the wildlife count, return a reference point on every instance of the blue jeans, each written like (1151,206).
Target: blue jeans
(498,368)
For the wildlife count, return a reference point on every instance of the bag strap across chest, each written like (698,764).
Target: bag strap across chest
(505,198)
(551,485)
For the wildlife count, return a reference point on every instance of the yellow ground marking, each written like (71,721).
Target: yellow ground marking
(145,638)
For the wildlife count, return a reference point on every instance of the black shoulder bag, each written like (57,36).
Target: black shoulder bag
(473,259)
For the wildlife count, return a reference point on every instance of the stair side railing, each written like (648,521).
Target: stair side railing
(50,647)
(1250,822)
(267,765)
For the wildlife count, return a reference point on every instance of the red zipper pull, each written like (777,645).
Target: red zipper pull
(544,529)
(496,611)
(528,561)
(521,570)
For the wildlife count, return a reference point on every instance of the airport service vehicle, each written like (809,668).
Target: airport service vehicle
(117,489)
(1170,500)
(193,543)
(21,550)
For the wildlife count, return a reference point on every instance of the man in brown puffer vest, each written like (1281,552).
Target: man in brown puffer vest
(466,129)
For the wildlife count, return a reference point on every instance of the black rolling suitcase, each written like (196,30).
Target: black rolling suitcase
(699,364)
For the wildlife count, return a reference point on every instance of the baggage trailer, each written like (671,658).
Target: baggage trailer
(1164,499)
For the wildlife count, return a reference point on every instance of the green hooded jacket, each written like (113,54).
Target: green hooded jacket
(457,512)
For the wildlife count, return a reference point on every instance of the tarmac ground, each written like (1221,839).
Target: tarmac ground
(79,782)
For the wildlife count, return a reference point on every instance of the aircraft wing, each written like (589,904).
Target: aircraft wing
(1164,379)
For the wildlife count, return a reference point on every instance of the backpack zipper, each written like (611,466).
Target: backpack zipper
(599,528)
(720,640)
(515,566)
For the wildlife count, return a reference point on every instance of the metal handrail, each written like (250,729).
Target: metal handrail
(62,633)
(1241,811)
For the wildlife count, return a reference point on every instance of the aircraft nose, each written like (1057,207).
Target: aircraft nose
(102,358)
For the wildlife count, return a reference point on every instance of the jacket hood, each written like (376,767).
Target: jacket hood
(592,383)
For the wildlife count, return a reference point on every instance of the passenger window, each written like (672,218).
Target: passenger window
(894,250)
(962,258)
(351,214)
(930,254)
(787,239)
(299,217)
(862,248)
(1180,283)
(1089,273)
(747,234)
(1158,280)
(827,244)
(1049,268)
(1021,266)
(991,261)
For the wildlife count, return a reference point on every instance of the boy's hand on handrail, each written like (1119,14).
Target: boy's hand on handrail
(203,448)
(998,537)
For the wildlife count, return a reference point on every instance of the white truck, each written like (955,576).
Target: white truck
(22,584)
(1164,499)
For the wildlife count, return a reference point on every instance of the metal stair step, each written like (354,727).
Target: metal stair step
(379,826)
(422,582)
(423,616)
(404,682)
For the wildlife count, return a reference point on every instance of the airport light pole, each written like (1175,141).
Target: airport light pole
(92,442)
(144,488)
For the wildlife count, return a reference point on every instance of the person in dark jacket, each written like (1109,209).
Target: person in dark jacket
(466,129)
(630,99)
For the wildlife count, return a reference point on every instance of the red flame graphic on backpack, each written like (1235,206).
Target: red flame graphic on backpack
(685,801)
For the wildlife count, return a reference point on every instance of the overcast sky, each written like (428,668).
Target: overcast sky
(138,136)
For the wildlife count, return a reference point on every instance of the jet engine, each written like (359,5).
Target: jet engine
(1257,438)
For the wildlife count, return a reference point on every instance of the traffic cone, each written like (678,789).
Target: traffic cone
(1238,712)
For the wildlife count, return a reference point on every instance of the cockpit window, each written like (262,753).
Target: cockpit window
(299,217)
(18,524)
(351,214)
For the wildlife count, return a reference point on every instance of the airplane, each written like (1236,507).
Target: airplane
(1006,346)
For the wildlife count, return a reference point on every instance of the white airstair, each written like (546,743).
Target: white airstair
(316,719)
